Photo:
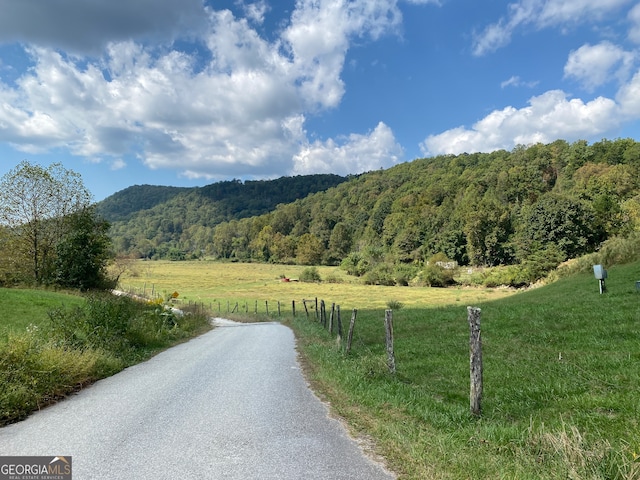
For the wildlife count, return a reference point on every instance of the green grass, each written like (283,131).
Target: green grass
(561,384)
(52,344)
(23,307)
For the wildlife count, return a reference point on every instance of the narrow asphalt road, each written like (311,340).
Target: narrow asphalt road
(230,404)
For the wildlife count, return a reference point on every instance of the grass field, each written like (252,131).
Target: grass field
(561,369)
(211,282)
(20,308)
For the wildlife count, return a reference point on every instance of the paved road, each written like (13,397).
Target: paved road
(231,404)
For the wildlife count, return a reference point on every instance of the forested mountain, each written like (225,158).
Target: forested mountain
(151,221)
(533,207)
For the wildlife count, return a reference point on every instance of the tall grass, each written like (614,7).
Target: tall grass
(80,344)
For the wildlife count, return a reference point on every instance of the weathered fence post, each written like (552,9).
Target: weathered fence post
(388,327)
(475,360)
(256,307)
(228,306)
(352,325)
(266,305)
(278,307)
(333,310)
(316,308)
(323,314)
(293,307)
(339,322)
(306,310)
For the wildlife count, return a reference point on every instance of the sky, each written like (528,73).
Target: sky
(187,93)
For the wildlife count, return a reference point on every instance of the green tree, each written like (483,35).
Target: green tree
(83,252)
(310,250)
(558,220)
(34,205)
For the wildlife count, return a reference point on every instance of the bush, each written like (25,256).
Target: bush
(310,275)
(381,274)
(436,276)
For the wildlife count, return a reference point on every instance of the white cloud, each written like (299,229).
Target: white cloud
(541,14)
(548,117)
(355,154)
(256,11)
(595,65)
(516,81)
(118,164)
(237,110)
(634,20)
(319,36)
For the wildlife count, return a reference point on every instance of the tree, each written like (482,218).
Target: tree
(558,220)
(310,250)
(34,203)
(84,252)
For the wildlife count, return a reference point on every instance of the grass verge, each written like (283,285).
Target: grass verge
(97,337)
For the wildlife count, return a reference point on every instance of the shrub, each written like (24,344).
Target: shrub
(394,305)
(310,275)
(436,276)
(381,274)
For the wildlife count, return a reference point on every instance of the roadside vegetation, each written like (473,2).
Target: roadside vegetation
(53,344)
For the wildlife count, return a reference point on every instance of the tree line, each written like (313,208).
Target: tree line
(532,207)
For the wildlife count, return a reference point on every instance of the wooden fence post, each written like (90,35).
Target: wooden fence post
(323,314)
(293,307)
(475,360)
(306,310)
(339,322)
(278,307)
(388,327)
(317,309)
(333,310)
(352,325)
(266,304)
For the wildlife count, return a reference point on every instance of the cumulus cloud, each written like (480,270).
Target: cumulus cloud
(548,117)
(235,105)
(540,14)
(354,154)
(595,65)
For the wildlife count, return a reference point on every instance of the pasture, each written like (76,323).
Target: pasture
(211,282)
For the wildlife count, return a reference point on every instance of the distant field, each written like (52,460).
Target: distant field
(212,282)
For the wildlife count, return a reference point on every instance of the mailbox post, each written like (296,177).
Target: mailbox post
(600,274)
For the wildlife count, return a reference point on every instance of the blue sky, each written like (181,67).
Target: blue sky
(186,93)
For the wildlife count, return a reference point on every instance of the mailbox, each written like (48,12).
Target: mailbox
(599,272)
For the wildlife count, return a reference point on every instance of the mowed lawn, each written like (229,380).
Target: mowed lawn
(212,282)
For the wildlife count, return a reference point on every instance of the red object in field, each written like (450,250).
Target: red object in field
(285,279)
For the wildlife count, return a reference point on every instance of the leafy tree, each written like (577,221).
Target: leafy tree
(561,221)
(83,252)
(34,203)
(310,249)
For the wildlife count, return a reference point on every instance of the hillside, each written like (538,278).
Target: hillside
(149,220)
(532,207)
